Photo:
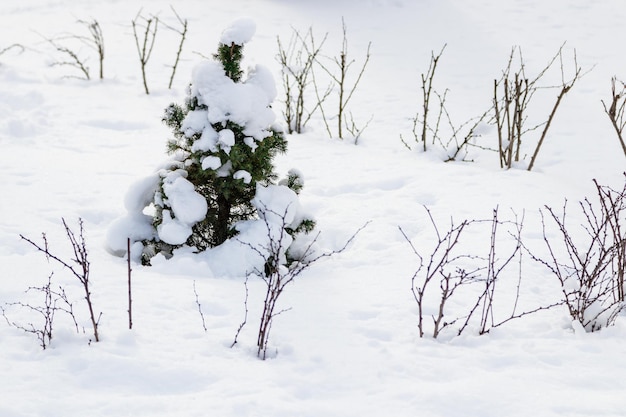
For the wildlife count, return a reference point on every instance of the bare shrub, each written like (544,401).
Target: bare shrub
(94,41)
(280,269)
(457,138)
(453,267)
(68,46)
(439,266)
(296,60)
(427,89)
(589,264)
(54,300)
(70,58)
(78,266)
(345,89)
(144,40)
(512,95)
(615,111)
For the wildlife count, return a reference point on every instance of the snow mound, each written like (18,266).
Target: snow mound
(239,32)
(247,104)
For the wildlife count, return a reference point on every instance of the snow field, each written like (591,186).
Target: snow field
(349,345)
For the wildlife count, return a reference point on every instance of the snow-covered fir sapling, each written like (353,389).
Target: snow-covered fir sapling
(222,150)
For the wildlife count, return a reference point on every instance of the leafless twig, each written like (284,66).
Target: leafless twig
(616,110)
(195,292)
(183,34)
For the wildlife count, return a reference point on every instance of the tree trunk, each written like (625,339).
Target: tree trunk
(223,219)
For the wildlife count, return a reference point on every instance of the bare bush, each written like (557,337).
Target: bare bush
(79,266)
(512,95)
(615,111)
(94,41)
(279,270)
(438,266)
(589,264)
(455,268)
(427,89)
(296,60)
(345,89)
(144,40)
(69,48)
(54,300)
(71,59)
(458,138)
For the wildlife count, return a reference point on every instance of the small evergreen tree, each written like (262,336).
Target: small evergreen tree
(223,147)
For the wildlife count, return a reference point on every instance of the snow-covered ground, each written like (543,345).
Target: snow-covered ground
(349,344)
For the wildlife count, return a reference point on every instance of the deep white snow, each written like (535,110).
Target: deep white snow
(347,343)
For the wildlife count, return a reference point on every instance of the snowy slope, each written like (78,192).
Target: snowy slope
(349,345)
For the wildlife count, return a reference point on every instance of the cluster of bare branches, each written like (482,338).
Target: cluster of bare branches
(590,270)
(72,59)
(615,111)
(427,89)
(95,41)
(345,88)
(68,45)
(296,60)
(144,40)
(279,270)
(55,299)
(78,266)
(425,133)
(438,266)
(456,268)
(145,32)
(512,95)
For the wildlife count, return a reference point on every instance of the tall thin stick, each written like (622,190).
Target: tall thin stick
(130,298)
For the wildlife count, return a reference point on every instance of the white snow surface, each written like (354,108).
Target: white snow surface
(346,343)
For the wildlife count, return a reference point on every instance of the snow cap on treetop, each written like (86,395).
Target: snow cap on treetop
(239,32)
